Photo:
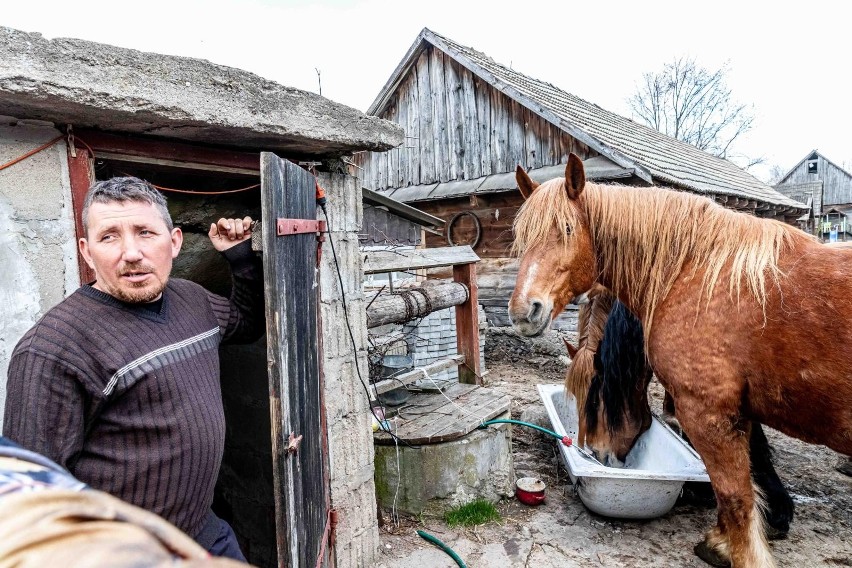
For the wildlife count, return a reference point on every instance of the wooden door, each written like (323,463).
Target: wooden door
(295,387)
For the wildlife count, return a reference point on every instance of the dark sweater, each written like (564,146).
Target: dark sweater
(128,399)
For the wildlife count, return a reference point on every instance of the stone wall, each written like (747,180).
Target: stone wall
(350,438)
(38,258)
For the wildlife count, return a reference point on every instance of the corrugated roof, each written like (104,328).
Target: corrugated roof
(625,142)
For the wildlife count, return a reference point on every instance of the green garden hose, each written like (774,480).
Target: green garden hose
(443,547)
(564,439)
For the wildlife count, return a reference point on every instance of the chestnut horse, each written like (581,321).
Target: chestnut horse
(733,312)
(616,411)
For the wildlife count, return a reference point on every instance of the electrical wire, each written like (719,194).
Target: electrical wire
(352,335)
(31,152)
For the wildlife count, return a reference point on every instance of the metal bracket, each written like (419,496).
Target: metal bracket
(299,226)
(71,147)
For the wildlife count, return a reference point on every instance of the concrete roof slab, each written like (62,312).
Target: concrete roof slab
(87,84)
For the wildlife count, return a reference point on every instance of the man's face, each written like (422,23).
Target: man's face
(131,249)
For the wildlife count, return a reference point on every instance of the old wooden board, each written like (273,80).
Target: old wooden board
(378,261)
(296,407)
(429,418)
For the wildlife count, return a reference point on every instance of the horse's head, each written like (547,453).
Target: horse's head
(616,410)
(591,320)
(558,262)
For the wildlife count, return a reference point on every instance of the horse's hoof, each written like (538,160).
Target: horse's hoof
(710,556)
(672,422)
(775,534)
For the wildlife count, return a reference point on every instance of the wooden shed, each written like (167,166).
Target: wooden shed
(227,143)
(469,121)
(826,189)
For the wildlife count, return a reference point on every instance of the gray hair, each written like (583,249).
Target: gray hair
(125,189)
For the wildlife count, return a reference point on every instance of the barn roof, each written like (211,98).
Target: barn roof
(597,169)
(650,154)
(86,84)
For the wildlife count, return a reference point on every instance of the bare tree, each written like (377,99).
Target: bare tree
(694,105)
(776,174)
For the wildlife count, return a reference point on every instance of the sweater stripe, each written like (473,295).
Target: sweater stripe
(160,357)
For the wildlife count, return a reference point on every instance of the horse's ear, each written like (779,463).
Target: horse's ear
(525,182)
(575,176)
(572,351)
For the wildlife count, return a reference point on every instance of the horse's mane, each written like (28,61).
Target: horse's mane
(591,320)
(621,370)
(660,234)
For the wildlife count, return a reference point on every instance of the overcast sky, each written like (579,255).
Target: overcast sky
(791,60)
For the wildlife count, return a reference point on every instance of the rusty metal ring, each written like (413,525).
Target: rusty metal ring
(476,223)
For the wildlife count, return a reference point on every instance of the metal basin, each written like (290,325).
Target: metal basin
(393,365)
(654,473)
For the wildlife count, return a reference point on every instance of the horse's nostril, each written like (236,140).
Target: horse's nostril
(535,311)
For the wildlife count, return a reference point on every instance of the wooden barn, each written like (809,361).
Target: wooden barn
(469,121)
(826,189)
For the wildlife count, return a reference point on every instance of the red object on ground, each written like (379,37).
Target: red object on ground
(530,490)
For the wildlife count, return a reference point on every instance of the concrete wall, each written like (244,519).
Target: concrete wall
(350,438)
(38,258)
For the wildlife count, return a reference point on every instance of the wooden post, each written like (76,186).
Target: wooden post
(289,271)
(467,325)
(81,175)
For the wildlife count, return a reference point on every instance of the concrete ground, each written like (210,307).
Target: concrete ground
(562,532)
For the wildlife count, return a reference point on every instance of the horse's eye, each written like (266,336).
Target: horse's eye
(568,230)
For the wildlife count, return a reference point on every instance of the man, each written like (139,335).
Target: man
(119,383)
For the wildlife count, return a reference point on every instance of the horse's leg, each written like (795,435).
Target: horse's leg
(739,536)
(779,504)
(668,414)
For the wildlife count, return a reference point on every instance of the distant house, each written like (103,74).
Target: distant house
(469,121)
(826,189)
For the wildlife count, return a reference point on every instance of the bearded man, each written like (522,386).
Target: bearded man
(119,383)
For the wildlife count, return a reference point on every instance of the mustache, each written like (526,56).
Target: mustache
(135,269)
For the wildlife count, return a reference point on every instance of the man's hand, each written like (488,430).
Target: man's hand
(226,233)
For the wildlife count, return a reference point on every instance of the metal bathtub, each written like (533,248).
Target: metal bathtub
(654,473)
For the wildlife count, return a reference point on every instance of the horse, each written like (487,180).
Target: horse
(616,411)
(732,308)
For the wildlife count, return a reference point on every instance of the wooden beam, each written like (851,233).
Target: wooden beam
(401,209)
(81,175)
(381,387)
(467,325)
(194,166)
(378,261)
(411,303)
(177,151)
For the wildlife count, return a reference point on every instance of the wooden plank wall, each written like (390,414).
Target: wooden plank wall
(459,127)
(380,227)
(837,185)
(495,212)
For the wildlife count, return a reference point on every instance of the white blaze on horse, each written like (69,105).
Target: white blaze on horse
(733,309)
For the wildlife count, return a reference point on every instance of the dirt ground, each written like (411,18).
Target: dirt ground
(562,532)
